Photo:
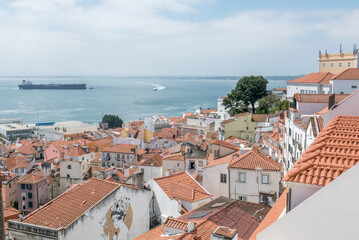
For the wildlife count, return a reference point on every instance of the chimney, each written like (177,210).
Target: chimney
(331,101)
(224,233)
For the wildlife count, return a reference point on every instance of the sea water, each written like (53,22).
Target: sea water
(129,97)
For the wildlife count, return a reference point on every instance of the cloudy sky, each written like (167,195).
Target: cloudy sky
(172,37)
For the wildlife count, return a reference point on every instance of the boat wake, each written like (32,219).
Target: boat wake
(156,87)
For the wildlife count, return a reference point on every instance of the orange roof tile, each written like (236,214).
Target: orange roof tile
(182,186)
(348,74)
(333,151)
(272,215)
(121,148)
(72,204)
(228,121)
(253,160)
(223,160)
(225,144)
(175,223)
(323,77)
(32,178)
(175,157)
(318,98)
(155,160)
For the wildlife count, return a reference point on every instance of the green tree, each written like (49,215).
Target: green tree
(248,90)
(113,121)
(271,104)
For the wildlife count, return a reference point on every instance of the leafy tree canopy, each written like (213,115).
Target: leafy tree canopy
(271,104)
(113,121)
(248,90)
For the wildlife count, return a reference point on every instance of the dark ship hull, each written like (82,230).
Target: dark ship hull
(53,86)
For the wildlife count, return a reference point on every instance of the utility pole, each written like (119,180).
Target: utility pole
(2,221)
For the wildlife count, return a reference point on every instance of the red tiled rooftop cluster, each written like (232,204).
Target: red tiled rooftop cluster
(253,160)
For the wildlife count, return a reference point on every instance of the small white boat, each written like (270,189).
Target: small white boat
(155,89)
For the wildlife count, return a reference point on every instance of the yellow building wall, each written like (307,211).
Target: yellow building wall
(147,136)
(243,128)
(331,62)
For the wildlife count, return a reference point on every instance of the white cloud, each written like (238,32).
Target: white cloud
(142,37)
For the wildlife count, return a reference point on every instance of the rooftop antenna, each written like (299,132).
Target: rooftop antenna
(355,49)
(341,51)
(326,52)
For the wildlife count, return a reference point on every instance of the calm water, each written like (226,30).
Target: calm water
(131,98)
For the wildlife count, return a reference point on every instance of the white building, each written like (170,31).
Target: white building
(13,131)
(254,177)
(221,110)
(119,155)
(215,174)
(313,83)
(346,82)
(96,209)
(177,194)
(151,168)
(156,123)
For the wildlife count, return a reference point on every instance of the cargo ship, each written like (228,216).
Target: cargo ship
(29,85)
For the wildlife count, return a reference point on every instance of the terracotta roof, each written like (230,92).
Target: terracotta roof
(32,178)
(225,144)
(323,77)
(175,157)
(253,160)
(299,123)
(333,151)
(228,121)
(348,74)
(274,136)
(155,160)
(259,117)
(182,186)
(318,98)
(72,204)
(121,148)
(218,214)
(17,162)
(223,160)
(225,232)
(207,111)
(272,215)
(175,223)
(140,151)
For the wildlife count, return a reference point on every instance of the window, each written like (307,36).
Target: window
(9,185)
(242,177)
(192,165)
(200,163)
(30,204)
(340,64)
(29,195)
(242,198)
(177,164)
(265,179)
(10,194)
(349,64)
(216,153)
(331,65)
(68,175)
(69,166)
(354,86)
(29,186)
(324,65)
(223,178)
(23,186)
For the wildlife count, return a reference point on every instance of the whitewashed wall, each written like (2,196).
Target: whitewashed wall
(211,180)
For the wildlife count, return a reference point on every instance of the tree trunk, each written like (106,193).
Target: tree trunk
(2,223)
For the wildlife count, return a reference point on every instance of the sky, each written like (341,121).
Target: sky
(172,37)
